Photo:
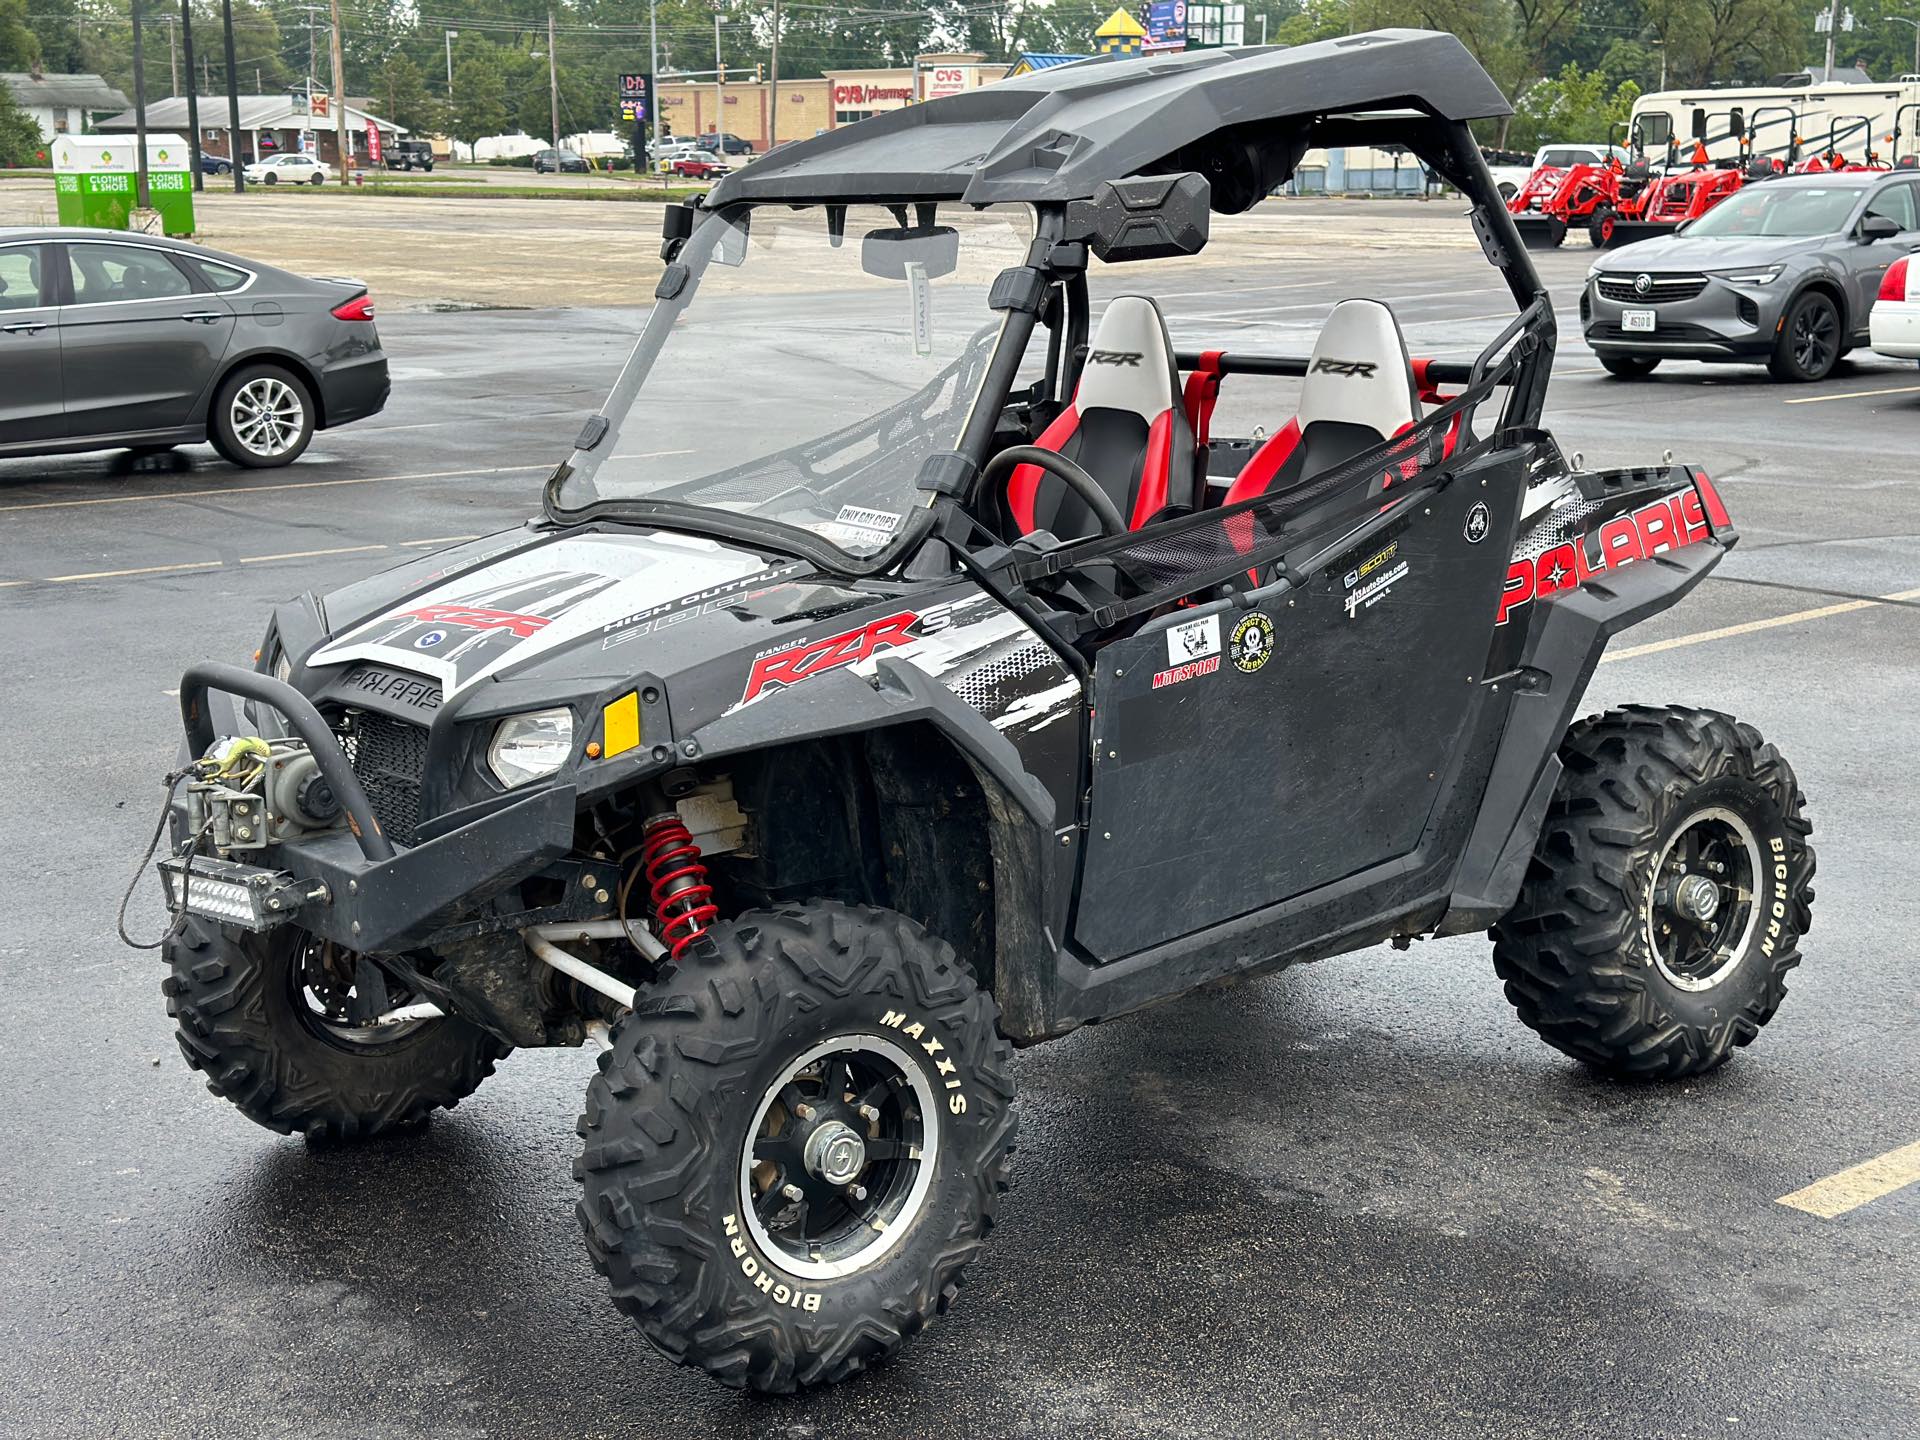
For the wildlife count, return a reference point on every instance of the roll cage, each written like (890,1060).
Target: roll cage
(1240,162)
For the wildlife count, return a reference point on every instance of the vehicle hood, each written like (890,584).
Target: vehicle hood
(1690,252)
(496,607)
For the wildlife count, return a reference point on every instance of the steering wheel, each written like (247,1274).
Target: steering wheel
(1058,465)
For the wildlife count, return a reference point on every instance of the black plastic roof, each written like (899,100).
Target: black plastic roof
(1056,134)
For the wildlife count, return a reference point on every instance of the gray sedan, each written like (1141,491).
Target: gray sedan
(1784,271)
(110,340)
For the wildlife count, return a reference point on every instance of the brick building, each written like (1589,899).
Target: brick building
(808,107)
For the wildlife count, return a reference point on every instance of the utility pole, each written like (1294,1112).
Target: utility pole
(773,88)
(233,99)
(339,98)
(719,89)
(450,35)
(173,55)
(141,197)
(1830,22)
(193,94)
(553,78)
(653,82)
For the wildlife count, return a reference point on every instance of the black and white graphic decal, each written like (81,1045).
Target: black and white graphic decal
(1251,643)
(1479,522)
(537,600)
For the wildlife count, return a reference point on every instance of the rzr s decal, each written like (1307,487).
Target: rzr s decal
(1670,524)
(790,667)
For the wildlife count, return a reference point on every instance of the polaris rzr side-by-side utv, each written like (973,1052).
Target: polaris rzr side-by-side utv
(900,670)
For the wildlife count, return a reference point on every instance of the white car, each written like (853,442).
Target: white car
(1893,325)
(287,170)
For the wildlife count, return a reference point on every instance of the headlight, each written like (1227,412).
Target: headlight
(525,747)
(1763,276)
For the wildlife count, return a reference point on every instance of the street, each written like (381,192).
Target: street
(1356,1199)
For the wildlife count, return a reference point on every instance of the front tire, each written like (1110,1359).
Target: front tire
(1810,342)
(267,1019)
(796,1145)
(262,417)
(1667,894)
(1630,367)
(1600,228)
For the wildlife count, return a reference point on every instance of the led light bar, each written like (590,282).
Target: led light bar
(243,895)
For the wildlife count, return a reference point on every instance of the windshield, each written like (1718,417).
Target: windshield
(803,382)
(1779,210)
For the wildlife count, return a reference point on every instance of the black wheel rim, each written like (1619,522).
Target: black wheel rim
(345,1000)
(839,1159)
(1815,336)
(1703,906)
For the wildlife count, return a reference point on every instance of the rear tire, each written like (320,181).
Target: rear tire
(239,1001)
(709,1195)
(261,417)
(1630,367)
(1605,953)
(1810,342)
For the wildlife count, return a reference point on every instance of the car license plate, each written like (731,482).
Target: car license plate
(1636,320)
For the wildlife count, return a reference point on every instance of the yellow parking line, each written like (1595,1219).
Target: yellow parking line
(1727,632)
(309,554)
(243,560)
(140,570)
(1854,1187)
(1853,395)
(230,491)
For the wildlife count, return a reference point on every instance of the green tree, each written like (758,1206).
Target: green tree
(1575,105)
(479,104)
(401,96)
(20,142)
(19,47)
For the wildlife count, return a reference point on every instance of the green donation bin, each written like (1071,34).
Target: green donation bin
(96,180)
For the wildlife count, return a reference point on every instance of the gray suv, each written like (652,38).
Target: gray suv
(1783,272)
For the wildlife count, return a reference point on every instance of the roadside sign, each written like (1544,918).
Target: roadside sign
(373,143)
(636,98)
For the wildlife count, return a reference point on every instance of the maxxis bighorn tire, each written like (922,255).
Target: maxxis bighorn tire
(667,1189)
(235,1000)
(1582,952)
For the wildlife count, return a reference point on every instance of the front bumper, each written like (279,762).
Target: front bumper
(1893,328)
(1725,320)
(358,890)
(354,389)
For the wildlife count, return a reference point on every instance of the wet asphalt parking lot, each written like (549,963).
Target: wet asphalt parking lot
(1356,1199)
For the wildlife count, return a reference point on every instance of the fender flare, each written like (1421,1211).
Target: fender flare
(1032,883)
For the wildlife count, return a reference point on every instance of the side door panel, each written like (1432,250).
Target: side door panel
(1866,264)
(1224,782)
(29,347)
(139,344)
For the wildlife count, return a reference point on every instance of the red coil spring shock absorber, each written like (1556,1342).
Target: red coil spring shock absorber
(677,882)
